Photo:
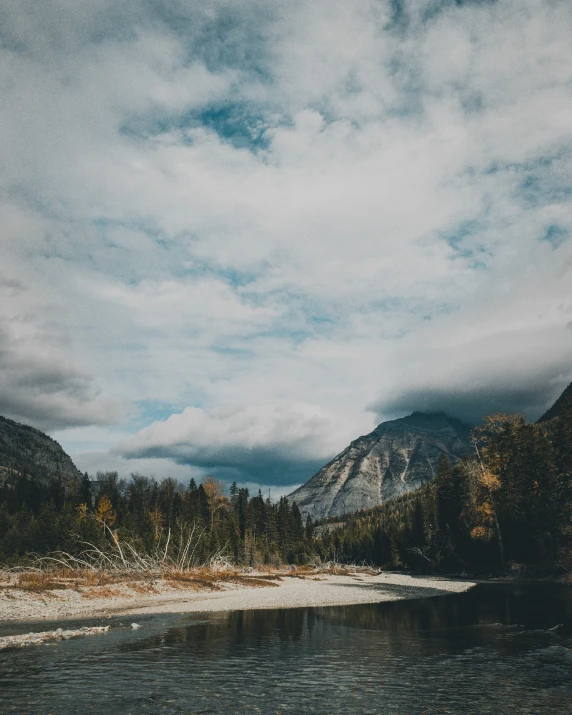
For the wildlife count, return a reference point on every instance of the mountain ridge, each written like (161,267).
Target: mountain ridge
(25,450)
(397,457)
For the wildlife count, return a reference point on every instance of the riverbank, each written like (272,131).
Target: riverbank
(291,589)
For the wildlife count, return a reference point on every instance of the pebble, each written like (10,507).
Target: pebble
(26,639)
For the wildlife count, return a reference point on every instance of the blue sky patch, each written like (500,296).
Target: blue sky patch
(555,235)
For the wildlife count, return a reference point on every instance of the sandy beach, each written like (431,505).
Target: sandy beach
(281,591)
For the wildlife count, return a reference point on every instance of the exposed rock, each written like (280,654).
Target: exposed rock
(397,457)
(25,450)
(59,634)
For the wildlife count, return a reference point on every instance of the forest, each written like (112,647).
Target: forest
(505,508)
(189,526)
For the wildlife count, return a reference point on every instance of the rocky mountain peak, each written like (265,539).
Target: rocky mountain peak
(397,457)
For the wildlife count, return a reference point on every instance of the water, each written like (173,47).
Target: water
(485,651)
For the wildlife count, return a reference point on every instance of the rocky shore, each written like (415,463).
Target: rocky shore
(287,590)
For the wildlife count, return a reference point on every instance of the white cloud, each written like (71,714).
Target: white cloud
(509,353)
(264,205)
(40,382)
(275,444)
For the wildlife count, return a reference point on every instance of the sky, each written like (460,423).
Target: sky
(236,235)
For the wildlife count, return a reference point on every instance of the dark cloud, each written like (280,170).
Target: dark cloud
(510,371)
(279,446)
(471,403)
(38,386)
(261,466)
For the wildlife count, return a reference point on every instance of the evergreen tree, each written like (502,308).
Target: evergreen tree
(309,528)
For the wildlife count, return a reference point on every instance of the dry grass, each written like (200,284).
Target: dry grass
(212,580)
(143,588)
(90,584)
(60,578)
(257,581)
(40,582)
(193,580)
(330,569)
(300,572)
(112,582)
(102,583)
(102,592)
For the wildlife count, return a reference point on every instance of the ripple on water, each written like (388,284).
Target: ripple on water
(451,654)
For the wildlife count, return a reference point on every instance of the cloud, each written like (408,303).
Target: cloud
(93,449)
(40,386)
(267,204)
(470,394)
(509,355)
(40,383)
(279,445)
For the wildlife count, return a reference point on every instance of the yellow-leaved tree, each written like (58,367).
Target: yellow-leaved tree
(216,500)
(105,513)
(486,475)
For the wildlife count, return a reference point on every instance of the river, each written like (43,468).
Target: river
(490,650)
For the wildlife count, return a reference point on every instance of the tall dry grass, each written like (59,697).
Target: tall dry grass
(98,572)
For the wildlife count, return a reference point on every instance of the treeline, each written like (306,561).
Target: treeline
(154,517)
(506,507)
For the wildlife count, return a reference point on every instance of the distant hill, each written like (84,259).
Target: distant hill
(561,408)
(399,456)
(25,450)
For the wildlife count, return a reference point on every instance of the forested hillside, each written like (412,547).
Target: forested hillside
(506,507)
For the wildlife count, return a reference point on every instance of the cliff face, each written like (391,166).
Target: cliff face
(397,457)
(25,450)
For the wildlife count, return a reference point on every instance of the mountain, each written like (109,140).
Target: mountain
(561,408)
(25,450)
(399,456)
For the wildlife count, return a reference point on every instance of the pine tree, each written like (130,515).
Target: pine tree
(84,495)
(309,528)
(234,496)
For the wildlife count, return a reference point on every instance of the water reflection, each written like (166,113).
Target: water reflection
(486,651)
